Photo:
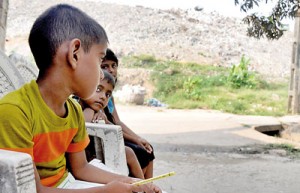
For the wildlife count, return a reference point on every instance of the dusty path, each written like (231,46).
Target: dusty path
(213,152)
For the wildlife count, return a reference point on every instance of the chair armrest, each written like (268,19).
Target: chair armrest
(16,172)
(113,142)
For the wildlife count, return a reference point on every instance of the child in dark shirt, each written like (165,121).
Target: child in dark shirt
(141,147)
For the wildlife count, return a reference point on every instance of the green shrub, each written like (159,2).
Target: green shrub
(240,76)
(192,88)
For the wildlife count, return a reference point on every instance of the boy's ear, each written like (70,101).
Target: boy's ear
(74,52)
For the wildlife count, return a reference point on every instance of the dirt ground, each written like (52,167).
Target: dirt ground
(202,147)
(218,172)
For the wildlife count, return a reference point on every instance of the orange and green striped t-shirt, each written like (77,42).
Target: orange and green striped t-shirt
(28,125)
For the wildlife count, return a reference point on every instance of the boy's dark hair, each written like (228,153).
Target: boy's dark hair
(58,24)
(109,78)
(110,55)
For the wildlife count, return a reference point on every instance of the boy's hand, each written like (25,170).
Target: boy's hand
(118,186)
(150,187)
(145,144)
(100,115)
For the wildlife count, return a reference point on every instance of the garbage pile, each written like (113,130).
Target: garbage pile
(134,94)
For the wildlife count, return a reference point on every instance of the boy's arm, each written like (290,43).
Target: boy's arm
(116,183)
(82,170)
(114,187)
(100,115)
(88,114)
(129,134)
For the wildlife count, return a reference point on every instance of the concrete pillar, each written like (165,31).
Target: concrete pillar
(294,87)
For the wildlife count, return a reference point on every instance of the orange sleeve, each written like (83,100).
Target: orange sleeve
(79,146)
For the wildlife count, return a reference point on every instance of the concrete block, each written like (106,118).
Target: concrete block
(114,149)
(16,173)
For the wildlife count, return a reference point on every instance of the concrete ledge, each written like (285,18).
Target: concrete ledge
(268,128)
(16,173)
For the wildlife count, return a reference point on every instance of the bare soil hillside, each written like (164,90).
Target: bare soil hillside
(183,35)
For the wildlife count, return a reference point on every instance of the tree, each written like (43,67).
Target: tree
(270,26)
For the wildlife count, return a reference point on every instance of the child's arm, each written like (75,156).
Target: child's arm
(129,134)
(100,115)
(91,116)
(88,114)
(82,170)
(112,187)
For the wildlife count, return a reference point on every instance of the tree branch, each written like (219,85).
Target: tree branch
(270,26)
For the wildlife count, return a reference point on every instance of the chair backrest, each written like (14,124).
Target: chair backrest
(112,147)
(26,69)
(10,77)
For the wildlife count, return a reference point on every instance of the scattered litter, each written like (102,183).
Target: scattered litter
(155,103)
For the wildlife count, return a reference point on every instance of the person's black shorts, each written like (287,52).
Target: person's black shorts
(142,155)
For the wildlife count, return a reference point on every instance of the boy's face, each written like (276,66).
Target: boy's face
(100,98)
(89,72)
(111,67)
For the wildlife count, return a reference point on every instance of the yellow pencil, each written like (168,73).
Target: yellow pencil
(154,178)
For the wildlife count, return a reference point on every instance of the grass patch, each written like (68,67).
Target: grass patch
(191,85)
(290,149)
(285,146)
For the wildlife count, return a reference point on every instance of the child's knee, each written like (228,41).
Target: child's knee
(130,156)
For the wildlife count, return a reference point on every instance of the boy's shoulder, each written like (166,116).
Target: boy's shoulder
(20,96)
(74,104)
(20,102)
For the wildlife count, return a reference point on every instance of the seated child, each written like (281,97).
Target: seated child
(40,118)
(141,147)
(97,103)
